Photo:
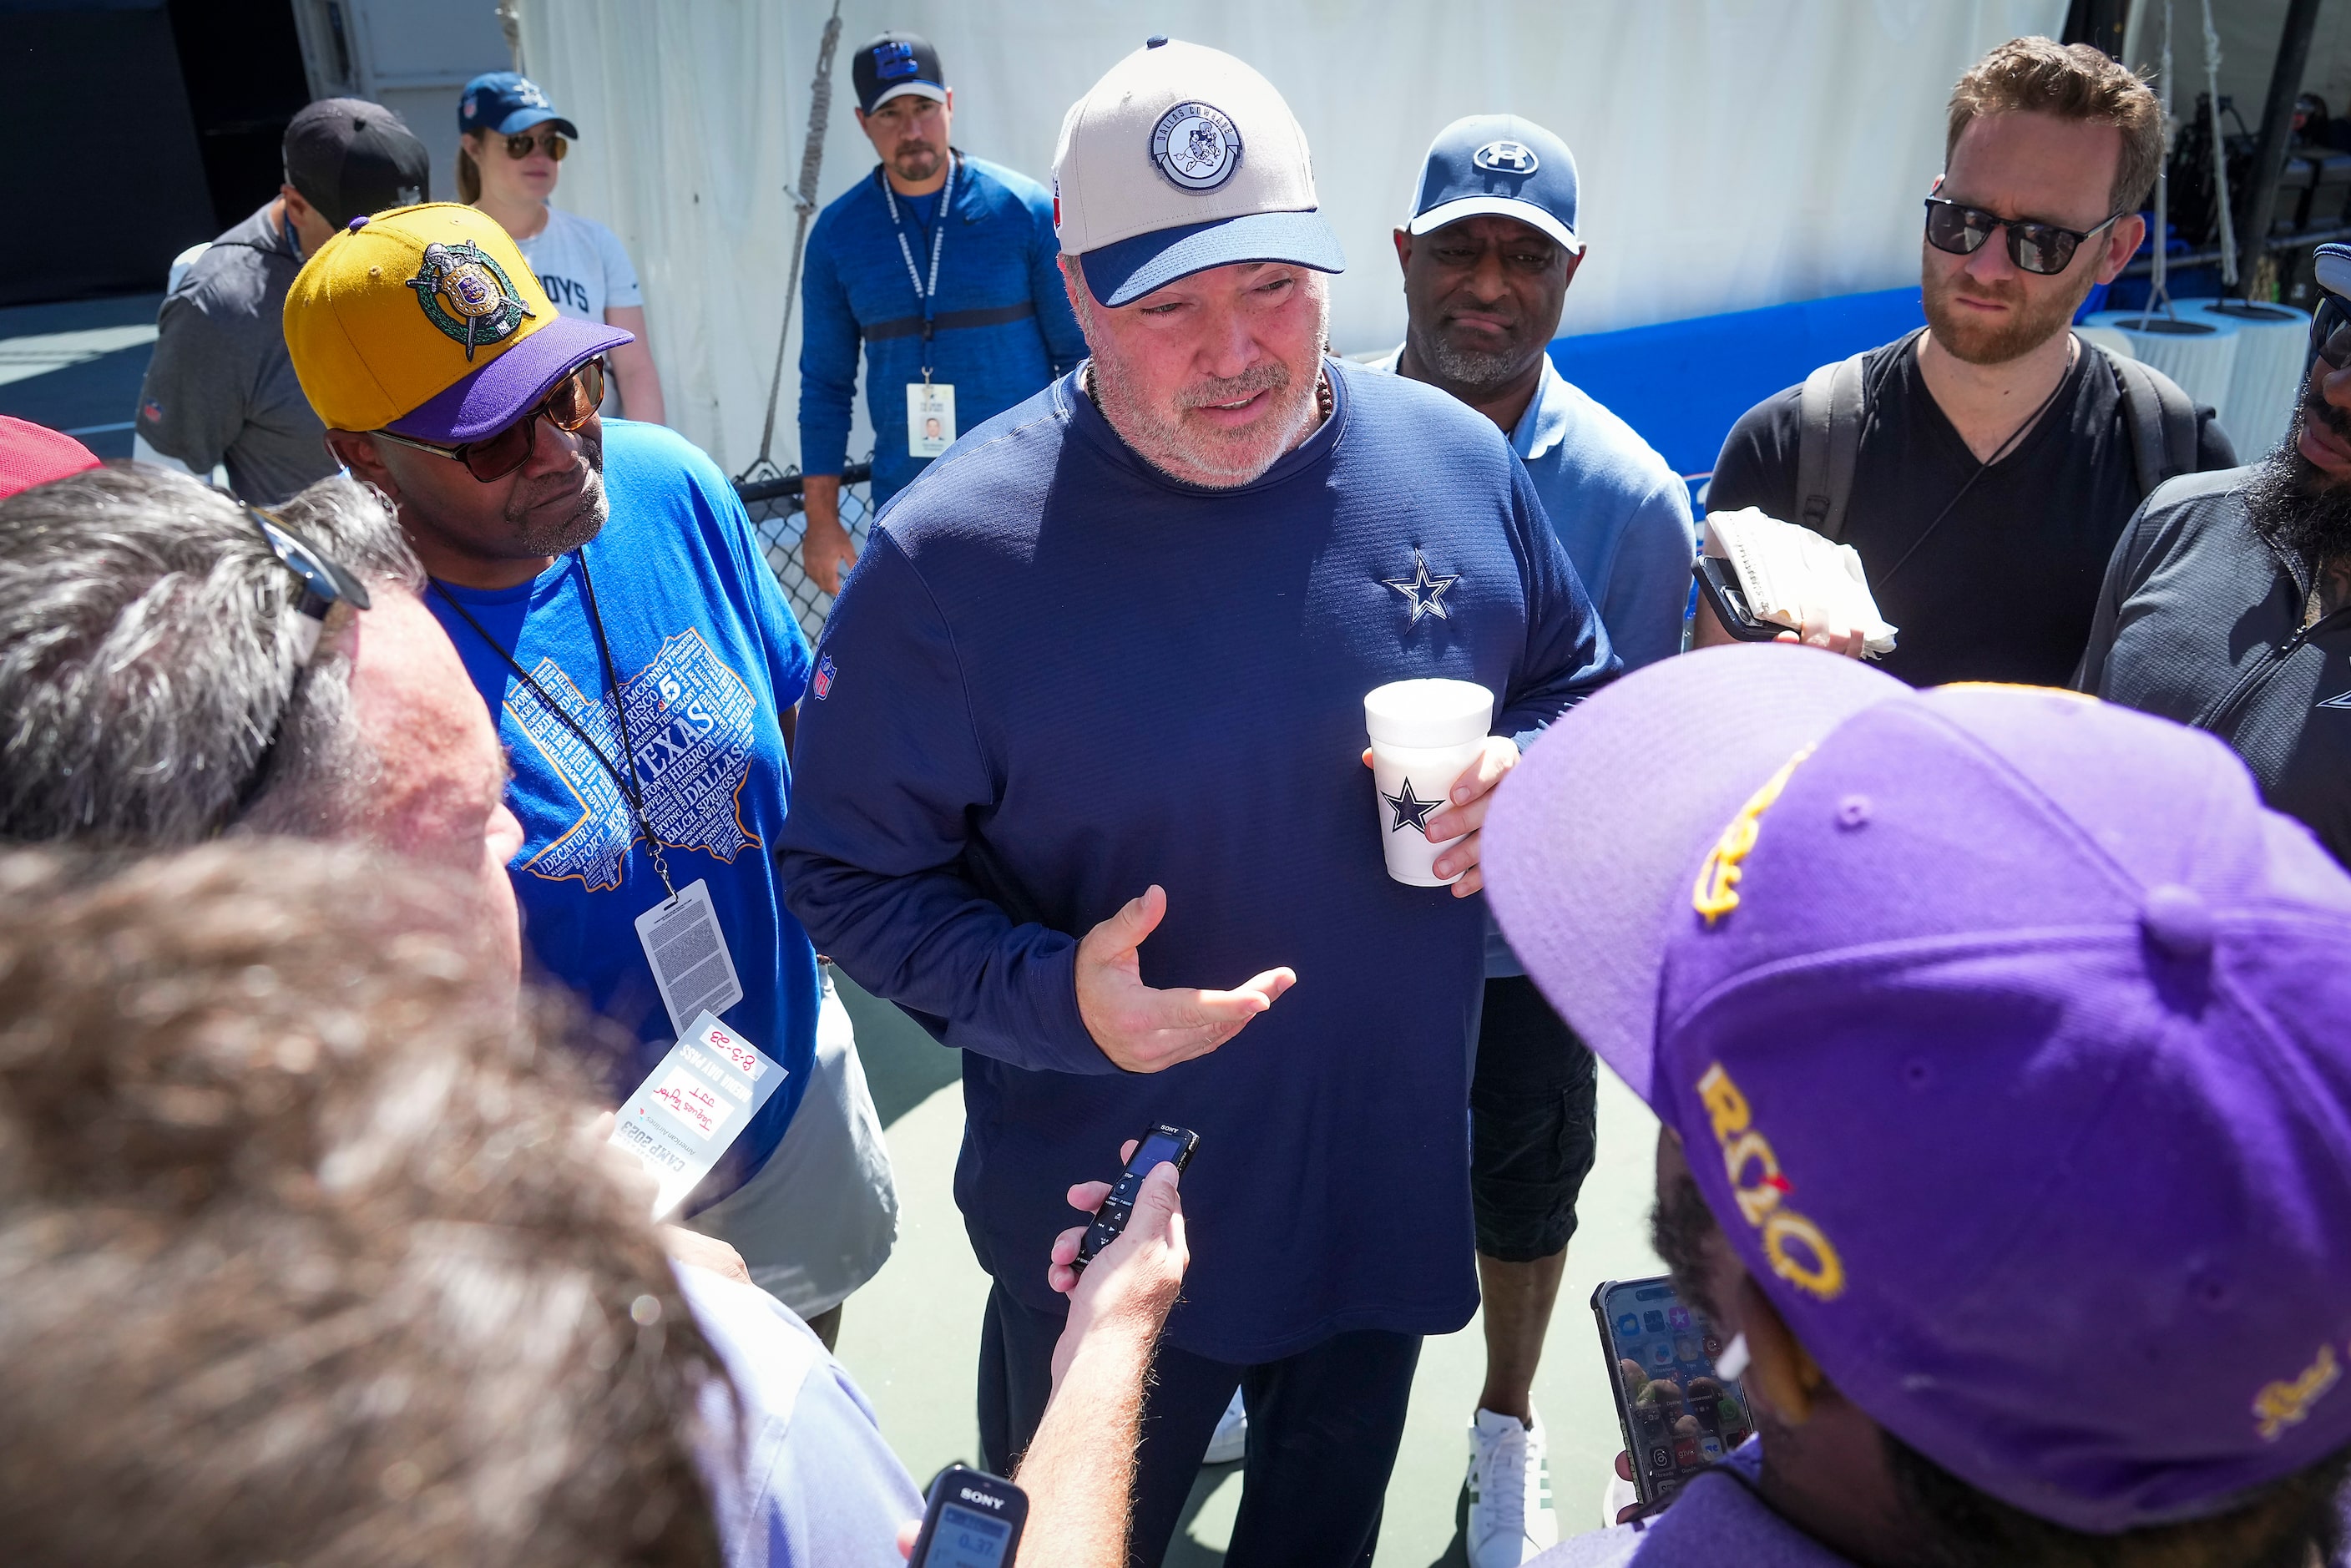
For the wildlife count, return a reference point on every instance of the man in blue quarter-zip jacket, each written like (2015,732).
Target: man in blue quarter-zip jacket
(1086,732)
(962,315)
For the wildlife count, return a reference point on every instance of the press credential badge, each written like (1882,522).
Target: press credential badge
(688,955)
(930,418)
(688,1113)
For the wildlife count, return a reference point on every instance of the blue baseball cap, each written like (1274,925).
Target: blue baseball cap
(504,102)
(1498,165)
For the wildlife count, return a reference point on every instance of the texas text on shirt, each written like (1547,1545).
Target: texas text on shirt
(1058,676)
(707,658)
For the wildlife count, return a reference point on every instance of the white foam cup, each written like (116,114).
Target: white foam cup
(1424,735)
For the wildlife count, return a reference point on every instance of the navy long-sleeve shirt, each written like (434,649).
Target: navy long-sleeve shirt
(1058,676)
(1001,324)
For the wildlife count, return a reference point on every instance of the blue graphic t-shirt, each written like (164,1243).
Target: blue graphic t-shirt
(707,657)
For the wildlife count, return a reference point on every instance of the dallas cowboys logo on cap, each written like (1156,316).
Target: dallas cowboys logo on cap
(1196,146)
(1507,158)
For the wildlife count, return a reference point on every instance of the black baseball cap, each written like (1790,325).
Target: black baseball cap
(349,158)
(897,65)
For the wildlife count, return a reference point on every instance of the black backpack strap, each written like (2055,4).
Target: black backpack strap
(1832,410)
(2160,418)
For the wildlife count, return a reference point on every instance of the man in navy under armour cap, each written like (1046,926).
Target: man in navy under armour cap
(1490,250)
(1087,736)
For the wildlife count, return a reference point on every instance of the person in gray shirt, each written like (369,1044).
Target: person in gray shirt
(219,388)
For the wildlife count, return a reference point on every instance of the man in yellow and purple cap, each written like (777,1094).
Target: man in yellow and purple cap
(601,583)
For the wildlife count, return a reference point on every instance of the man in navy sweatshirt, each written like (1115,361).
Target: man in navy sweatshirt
(943,267)
(1087,733)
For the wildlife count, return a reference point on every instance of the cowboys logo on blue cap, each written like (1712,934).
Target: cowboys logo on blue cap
(1498,165)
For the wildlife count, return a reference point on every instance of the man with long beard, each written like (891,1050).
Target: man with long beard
(1086,734)
(1997,456)
(2228,604)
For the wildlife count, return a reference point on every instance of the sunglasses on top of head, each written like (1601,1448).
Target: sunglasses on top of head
(519,145)
(2034,246)
(570,405)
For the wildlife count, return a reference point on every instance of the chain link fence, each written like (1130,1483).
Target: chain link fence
(773,500)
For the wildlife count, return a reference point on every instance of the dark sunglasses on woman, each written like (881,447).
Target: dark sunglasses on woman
(519,145)
(2038,247)
(570,405)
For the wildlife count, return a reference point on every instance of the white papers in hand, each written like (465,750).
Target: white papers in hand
(1791,574)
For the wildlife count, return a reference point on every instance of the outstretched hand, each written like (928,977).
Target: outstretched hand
(1143,1029)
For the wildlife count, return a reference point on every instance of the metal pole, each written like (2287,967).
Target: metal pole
(2277,122)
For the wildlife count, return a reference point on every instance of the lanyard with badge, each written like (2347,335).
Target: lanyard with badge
(684,1116)
(930,405)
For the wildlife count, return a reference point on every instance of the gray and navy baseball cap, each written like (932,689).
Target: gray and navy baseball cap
(897,65)
(505,103)
(1498,165)
(348,157)
(1180,159)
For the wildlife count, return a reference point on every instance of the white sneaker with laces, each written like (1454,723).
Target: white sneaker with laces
(1511,1516)
(1231,1441)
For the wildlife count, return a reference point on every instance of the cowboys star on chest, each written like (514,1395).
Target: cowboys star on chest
(1424,590)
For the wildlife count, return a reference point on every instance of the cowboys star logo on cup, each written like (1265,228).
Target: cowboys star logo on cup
(467,295)
(1196,146)
(1507,158)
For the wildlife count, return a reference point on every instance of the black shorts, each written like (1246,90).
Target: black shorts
(1532,1130)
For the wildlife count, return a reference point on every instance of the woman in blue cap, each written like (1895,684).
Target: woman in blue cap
(511,143)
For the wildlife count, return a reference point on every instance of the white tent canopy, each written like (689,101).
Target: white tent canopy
(1733,154)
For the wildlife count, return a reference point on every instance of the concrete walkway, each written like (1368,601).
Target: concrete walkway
(912,1336)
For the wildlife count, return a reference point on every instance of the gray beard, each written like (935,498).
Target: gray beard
(1471,373)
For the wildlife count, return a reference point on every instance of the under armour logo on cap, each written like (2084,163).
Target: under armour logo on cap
(1507,158)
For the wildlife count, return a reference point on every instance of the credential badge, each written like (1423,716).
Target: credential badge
(467,295)
(1507,158)
(1196,146)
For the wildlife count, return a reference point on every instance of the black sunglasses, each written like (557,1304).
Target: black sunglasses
(2035,246)
(519,145)
(2330,330)
(572,405)
(325,584)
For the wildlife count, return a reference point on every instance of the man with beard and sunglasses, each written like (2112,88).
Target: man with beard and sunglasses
(941,265)
(2228,602)
(1992,458)
(1087,735)
(601,585)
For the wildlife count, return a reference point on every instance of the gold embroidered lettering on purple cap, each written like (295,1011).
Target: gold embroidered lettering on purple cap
(2286,1403)
(1717,892)
(1800,1253)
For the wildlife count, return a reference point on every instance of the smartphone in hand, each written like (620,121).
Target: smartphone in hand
(1677,1413)
(1717,583)
(1161,1146)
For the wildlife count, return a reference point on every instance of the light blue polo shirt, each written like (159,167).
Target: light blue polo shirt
(1621,511)
(1625,518)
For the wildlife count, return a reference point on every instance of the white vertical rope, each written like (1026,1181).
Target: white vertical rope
(2220,151)
(804,199)
(2158,290)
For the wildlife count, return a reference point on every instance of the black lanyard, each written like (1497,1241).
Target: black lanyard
(623,775)
(925,295)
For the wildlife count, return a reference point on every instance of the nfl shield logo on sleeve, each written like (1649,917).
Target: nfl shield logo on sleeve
(823,685)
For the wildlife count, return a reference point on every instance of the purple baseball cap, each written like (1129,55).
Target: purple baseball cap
(2003,1031)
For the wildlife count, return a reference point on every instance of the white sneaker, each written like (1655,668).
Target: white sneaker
(1511,1516)
(1231,1441)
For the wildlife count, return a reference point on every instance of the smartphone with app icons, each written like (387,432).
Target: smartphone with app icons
(1676,1413)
